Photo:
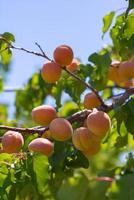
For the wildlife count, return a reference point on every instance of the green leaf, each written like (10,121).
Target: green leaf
(5,53)
(74,188)
(101,63)
(122,35)
(124,189)
(102,60)
(107,20)
(121,141)
(8,36)
(129,110)
(77,160)
(41,170)
(129,27)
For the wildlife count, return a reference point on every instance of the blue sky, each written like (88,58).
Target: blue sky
(51,23)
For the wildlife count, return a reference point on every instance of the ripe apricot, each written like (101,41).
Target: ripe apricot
(113,72)
(63,55)
(83,139)
(126,70)
(99,123)
(12,142)
(126,84)
(60,129)
(41,145)
(51,72)
(73,66)
(93,150)
(43,114)
(91,101)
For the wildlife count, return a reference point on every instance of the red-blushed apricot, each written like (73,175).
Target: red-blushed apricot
(113,72)
(126,70)
(99,123)
(41,145)
(51,72)
(91,101)
(43,114)
(63,55)
(92,150)
(46,134)
(83,139)
(12,142)
(61,129)
(73,66)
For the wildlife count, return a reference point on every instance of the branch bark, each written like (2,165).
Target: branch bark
(79,116)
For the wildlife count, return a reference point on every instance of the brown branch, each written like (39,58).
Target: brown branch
(86,84)
(79,116)
(42,54)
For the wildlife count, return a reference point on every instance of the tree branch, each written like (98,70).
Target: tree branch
(79,116)
(43,54)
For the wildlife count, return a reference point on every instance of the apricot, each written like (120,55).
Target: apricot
(93,150)
(51,72)
(83,139)
(73,66)
(126,70)
(43,114)
(60,129)
(41,145)
(12,142)
(91,101)
(46,134)
(113,72)
(63,55)
(99,123)
(126,84)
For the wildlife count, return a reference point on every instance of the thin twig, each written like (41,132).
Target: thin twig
(86,84)
(42,54)
(45,56)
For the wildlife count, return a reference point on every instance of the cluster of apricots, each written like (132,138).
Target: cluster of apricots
(122,73)
(63,57)
(87,139)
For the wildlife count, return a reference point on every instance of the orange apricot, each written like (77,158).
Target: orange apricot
(43,114)
(99,123)
(60,129)
(12,142)
(83,139)
(51,72)
(126,70)
(126,84)
(63,55)
(41,145)
(91,101)
(113,72)
(73,66)
(93,150)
